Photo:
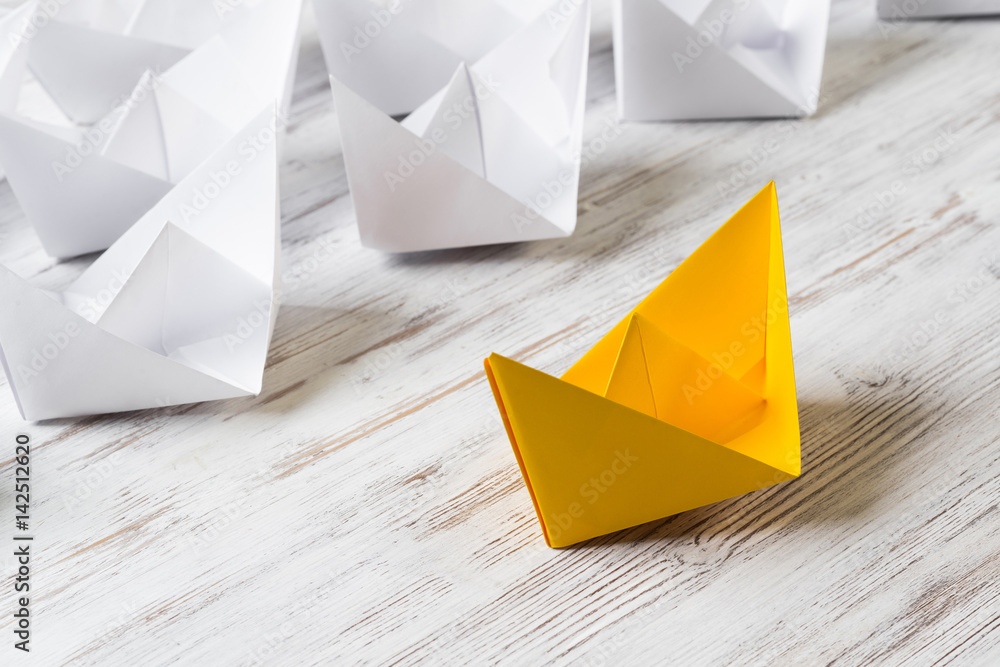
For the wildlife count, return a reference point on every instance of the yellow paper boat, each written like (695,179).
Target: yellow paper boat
(689,400)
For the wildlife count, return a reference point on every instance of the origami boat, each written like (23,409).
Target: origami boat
(179,310)
(493,157)
(689,400)
(694,59)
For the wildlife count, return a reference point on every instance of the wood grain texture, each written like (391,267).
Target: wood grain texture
(367,509)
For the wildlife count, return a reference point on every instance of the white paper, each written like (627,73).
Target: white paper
(896,10)
(705,59)
(160,108)
(180,309)
(492,155)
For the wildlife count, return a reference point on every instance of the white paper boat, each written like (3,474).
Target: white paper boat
(179,310)
(493,157)
(699,59)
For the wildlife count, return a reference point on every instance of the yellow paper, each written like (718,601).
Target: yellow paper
(689,400)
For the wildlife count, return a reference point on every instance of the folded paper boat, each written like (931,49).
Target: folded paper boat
(158,93)
(699,59)
(493,157)
(179,310)
(689,400)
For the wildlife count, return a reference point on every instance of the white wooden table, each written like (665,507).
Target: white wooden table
(367,507)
